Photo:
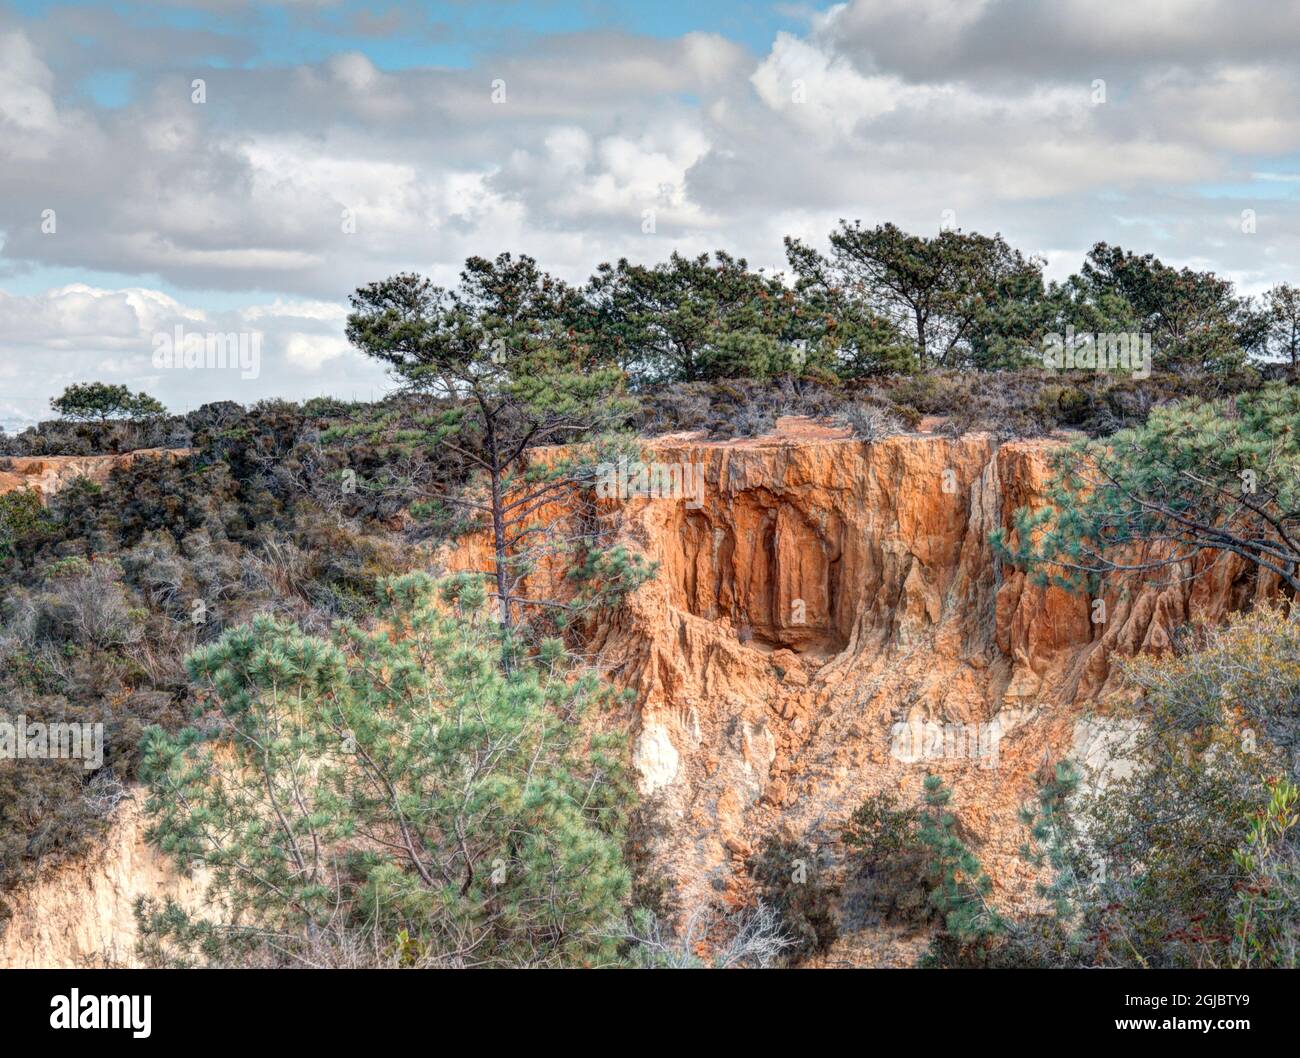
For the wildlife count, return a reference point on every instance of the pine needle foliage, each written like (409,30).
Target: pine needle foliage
(396,783)
(1200,475)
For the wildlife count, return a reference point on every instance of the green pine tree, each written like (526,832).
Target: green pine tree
(101,402)
(504,368)
(958,297)
(690,320)
(1197,476)
(1050,842)
(395,791)
(958,885)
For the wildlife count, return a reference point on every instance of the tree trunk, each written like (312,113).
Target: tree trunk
(499,551)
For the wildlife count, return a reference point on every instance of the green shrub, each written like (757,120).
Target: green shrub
(882,841)
(23,522)
(1266,917)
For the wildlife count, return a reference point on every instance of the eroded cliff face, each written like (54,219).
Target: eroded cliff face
(832,620)
(82,913)
(823,620)
(48,474)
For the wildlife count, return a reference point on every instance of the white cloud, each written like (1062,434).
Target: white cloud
(330,311)
(79,332)
(28,117)
(823,92)
(1063,40)
(310,351)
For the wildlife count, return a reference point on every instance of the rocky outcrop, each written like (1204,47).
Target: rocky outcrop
(48,474)
(830,619)
(81,913)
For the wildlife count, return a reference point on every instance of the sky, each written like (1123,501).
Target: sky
(229,167)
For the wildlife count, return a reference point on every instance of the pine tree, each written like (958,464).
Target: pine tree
(842,332)
(505,368)
(958,885)
(1282,313)
(100,402)
(689,320)
(957,296)
(395,790)
(1050,841)
(1197,476)
(1196,320)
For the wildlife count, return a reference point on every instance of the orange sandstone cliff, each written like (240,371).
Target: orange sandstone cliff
(827,613)
(48,474)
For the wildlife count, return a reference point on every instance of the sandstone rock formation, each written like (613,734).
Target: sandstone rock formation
(81,913)
(48,474)
(831,614)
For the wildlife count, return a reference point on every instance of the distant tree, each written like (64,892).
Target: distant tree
(1196,320)
(842,332)
(100,402)
(946,293)
(507,371)
(1090,309)
(1282,310)
(689,319)
(1010,322)
(393,792)
(1197,476)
